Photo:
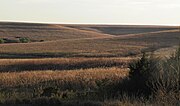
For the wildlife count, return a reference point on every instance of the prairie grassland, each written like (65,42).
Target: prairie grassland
(29,79)
(82,78)
(51,32)
(83,62)
(41,86)
(106,47)
(78,48)
(44,32)
(12,65)
(61,60)
(122,29)
(68,41)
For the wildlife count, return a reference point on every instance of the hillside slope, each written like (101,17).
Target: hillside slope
(44,32)
(65,41)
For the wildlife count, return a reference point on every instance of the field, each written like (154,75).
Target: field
(74,62)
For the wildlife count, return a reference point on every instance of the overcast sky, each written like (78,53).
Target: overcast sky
(92,11)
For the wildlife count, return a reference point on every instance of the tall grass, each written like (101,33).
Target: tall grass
(148,81)
(17,65)
(75,78)
(157,78)
(165,82)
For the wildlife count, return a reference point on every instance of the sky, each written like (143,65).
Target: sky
(151,12)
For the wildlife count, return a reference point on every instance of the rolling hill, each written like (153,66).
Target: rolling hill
(85,40)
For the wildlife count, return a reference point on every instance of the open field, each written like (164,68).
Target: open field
(121,29)
(75,62)
(62,78)
(83,43)
(43,32)
(15,65)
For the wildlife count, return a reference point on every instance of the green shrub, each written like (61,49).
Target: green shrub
(161,78)
(140,74)
(10,41)
(24,40)
(1,40)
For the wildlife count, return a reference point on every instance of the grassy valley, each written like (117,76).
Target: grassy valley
(77,64)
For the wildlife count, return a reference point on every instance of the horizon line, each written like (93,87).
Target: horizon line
(72,23)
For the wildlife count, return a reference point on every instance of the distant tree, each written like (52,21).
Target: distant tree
(24,40)
(1,40)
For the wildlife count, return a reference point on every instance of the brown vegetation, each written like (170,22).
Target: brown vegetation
(95,44)
(12,65)
(78,64)
(79,79)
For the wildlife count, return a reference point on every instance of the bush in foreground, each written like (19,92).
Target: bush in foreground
(147,76)
(140,73)
(165,82)
(161,78)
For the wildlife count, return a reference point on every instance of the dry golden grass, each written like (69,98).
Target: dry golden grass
(12,65)
(165,52)
(86,77)
(122,29)
(62,60)
(97,47)
(57,32)
(43,32)
(80,47)
(102,72)
(68,40)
